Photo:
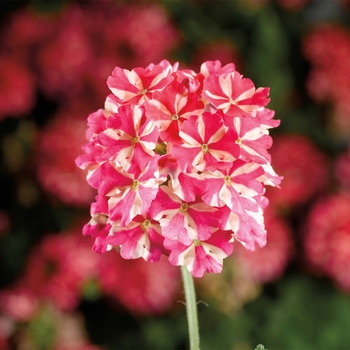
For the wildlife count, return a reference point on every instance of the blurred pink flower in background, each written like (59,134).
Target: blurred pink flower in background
(327,238)
(18,302)
(342,170)
(304,167)
(328,82)
(224,51)
(58,145)
(26,31)
(17,88)
(141,287)
(135,30)
(57,268)
(63,60)
(61,266)
(7,328)
(267,263)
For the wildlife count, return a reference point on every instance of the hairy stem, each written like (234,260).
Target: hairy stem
(191,308)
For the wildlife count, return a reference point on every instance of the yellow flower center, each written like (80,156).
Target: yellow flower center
(160,148)
(183,207)
(136,139)
(174,117)
(197,242)
(135,184)
(205,148)
(146,224)
(227,179)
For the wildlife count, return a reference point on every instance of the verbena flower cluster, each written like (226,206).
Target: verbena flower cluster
(180,163)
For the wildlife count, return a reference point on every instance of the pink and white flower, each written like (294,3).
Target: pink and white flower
(183,221)
(201,256)
(129,138)
(137,85)
(234,95)
(141,238)
(129,194)
(235,187)
(207,144)
(180,161)
(99,225)
(252,141)
(170,107)
(215,67)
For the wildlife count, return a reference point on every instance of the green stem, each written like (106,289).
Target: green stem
(191,308)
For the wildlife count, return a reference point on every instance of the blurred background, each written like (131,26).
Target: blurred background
(55,293)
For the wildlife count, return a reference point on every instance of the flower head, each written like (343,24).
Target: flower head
(180,162)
